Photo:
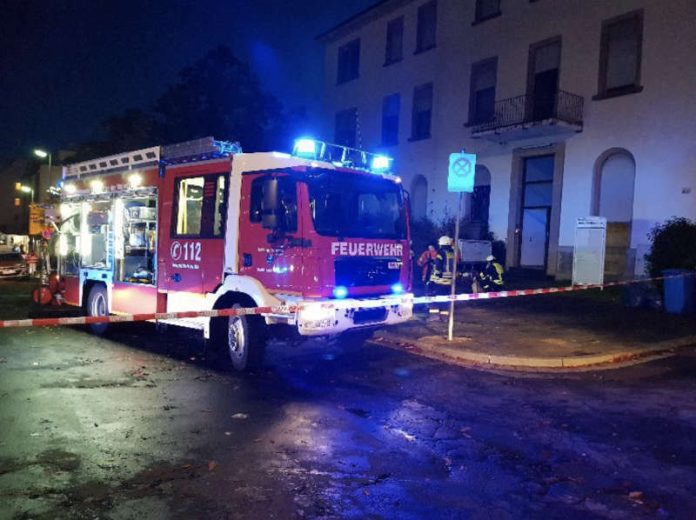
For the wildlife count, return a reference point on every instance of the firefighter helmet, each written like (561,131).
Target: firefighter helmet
(444,241)
(490,258)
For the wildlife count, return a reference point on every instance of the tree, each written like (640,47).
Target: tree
(131,130)
(673,246)
(219,95)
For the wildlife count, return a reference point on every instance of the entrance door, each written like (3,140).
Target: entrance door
(535,225)
(193,230)
(537,200)
(545,61)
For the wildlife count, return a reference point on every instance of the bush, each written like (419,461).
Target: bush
(673,246)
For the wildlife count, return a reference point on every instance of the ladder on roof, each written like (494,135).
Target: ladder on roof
(188,151)
(198,150)
(122,161)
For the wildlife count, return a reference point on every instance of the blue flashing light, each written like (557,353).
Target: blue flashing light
(397,288)
(381,163)
(306,148)
(340,292)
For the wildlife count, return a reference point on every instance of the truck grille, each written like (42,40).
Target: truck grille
(367,271)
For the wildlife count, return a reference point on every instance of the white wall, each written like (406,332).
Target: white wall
(657,126)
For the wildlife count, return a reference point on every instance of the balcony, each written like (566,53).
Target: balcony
(527,117)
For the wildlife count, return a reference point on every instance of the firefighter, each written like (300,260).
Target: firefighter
(426,261)
(491,278)
(440,282)
(32,260)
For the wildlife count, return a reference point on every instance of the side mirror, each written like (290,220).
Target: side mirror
(270,205)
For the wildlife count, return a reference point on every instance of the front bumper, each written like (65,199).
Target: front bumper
(330,317)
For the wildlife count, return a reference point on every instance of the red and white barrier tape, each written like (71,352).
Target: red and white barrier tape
(121,318)
(529,292)
(287,310)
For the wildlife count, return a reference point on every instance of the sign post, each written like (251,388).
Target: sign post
(460,179)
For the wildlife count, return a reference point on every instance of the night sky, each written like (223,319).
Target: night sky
(67,65)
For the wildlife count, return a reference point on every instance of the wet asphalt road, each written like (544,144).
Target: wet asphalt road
(141,425)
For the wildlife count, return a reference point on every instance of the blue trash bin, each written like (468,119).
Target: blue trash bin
(680,286)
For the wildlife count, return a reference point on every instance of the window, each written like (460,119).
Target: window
(348,61)
(220,207)
(395,41)
(422,111)
(287,199)
(367,206)
(482,93)
(346,127)
(190,207)
(619,62)
(427,24)
(201,206)
(481,196)
(480,203)
(69,239)
(419,198)
(135,238)
(543,79)
(538,181)
(390,119)
(486,9)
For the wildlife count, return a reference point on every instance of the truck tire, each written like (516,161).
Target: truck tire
(241,340)
(98,305)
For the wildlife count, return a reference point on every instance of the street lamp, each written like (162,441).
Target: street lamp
(25,189)
(43,154)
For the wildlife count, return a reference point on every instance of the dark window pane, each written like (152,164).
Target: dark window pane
(623,53)
(422,111)
(348,61)
(483,89)
(538,194)
(539,168)
(487,9)
(220,207)
(390,119)
(287,195)
(255,210)
(480,203)
(346,124)
(395,41)
(620,59)
(427,26)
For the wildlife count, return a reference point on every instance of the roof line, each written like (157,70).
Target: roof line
(362,13)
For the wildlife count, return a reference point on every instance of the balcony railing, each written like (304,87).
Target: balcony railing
(523,110)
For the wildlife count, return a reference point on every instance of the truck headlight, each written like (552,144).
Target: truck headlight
(316,312)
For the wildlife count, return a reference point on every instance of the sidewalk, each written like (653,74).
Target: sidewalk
(568,331)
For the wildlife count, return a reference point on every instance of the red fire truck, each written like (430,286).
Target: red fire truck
(201,225)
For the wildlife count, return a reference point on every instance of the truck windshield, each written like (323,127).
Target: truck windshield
(357,206)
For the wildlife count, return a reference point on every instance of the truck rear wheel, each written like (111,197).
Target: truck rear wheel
(241,340)
(98,305)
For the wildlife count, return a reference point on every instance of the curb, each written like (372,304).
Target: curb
(469,358)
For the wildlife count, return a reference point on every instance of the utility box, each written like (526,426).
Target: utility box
(474,251)
(589,251)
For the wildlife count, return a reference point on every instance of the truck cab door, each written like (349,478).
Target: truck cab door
(192,234)
(271,242)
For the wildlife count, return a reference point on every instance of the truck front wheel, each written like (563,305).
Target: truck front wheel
(98,305)
(241,339)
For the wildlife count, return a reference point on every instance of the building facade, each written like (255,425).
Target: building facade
(573,107)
